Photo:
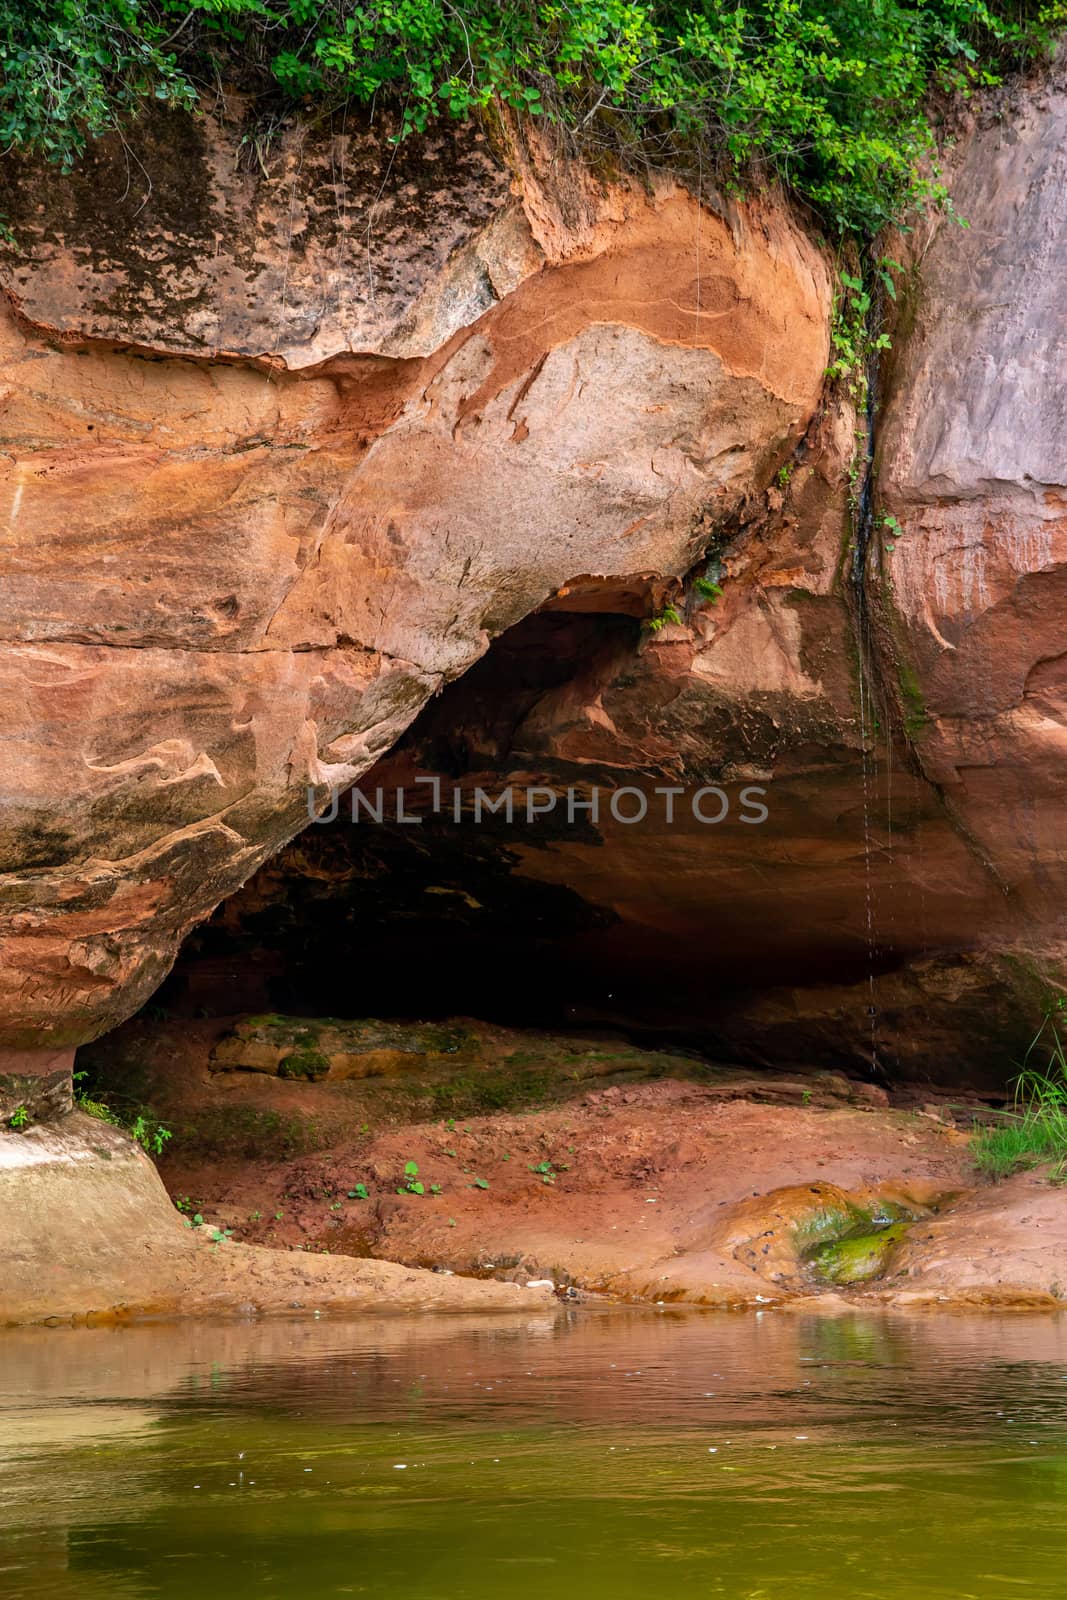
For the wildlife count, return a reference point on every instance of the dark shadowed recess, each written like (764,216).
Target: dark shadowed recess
(440,919)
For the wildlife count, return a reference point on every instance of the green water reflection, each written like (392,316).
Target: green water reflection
(590,1453)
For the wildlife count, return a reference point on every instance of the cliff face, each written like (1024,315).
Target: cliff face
(902,906)
(292,432)
(287,442)
(974,467)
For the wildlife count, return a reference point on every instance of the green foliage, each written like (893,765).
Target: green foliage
(852,340)
(150,1134)
(69,69)
(547,1172)
(138,1122)
(668,614)
(1034,1131)
(826,95)
(411,1179)
(216,1235)
(412,1182)
(704,586)
(307,1063)
(18,1118)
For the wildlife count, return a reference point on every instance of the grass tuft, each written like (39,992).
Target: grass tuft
(1034,1131)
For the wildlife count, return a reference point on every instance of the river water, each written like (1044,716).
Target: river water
(590,1452)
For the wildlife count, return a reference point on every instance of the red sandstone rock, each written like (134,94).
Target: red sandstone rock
(227,579)
(903,906)
(290,442)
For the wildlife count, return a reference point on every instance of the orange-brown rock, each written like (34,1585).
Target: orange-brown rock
(901,908)
(286,443)
(290,438)
(835,913)
(91,1237)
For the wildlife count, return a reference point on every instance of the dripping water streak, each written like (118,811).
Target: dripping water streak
(863,533)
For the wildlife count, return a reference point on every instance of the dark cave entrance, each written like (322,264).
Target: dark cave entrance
(434,917)
(668,934)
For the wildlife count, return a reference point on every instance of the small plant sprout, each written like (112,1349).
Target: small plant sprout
(150,1134)
(885,270)
(411,1179)
(668,614)
(19,1117)
(480,1183)
(853,342)
(359,1192)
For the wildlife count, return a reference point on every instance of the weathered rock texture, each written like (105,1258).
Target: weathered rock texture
(644,1175)
(286,442)
(293,436)
(902,907)
(973,464)
(91,1236)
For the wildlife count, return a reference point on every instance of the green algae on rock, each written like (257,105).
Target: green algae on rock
(859,1257)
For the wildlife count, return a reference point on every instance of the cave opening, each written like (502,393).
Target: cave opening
(418,901)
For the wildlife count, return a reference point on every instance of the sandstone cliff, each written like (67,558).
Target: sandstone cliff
(293,433)
(902,908)
(286,447)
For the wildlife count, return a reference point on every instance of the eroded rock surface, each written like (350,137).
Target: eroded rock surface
(214,235)
(901,908)
(91,1236)
(259,517)
(251,526)
(973,465)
